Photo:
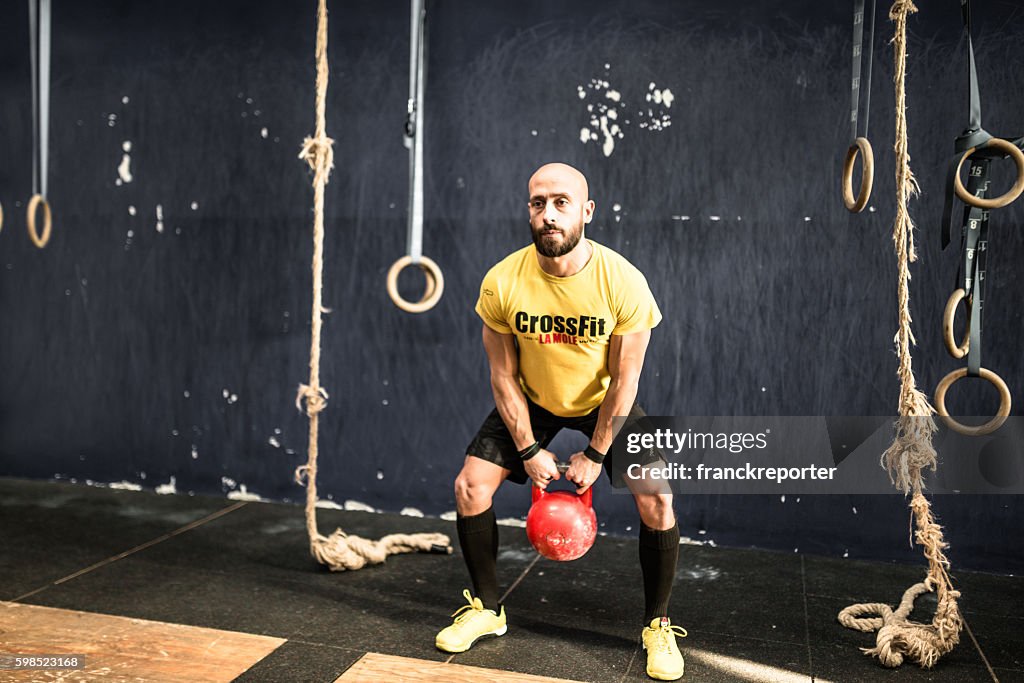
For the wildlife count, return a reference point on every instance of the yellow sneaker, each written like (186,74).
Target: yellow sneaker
(472,622)
(664,661)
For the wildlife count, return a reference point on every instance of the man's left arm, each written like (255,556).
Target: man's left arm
(625,363)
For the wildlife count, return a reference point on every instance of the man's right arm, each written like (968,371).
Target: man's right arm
(511,403)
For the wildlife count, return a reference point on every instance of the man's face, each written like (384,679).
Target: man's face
(559,208)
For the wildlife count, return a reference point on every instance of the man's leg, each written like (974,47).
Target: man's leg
(477,526)
(659,550)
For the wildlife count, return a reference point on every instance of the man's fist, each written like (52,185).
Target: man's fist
(542,468)
(582,471)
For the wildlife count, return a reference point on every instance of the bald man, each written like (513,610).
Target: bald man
(566,323)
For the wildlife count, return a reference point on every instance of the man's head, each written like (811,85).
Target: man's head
(560,206)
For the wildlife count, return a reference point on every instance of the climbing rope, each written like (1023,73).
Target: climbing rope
(911,451)
(413,140)
(39,39)
(339,551)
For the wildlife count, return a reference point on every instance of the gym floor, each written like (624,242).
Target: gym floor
(244,567)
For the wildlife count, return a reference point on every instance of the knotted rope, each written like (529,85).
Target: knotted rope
(911,450)
(339,551)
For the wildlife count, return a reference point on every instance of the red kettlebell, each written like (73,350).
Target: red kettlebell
(561,525)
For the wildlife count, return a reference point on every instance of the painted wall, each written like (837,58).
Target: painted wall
(160,337)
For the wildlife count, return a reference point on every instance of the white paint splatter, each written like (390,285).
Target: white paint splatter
(228,481)
(131,210)
(783,498)
(159,218)
(124,486)
(616,207)
(168,488)
(195,205)
(329,504)
(358,506)
(124,100)
(243,494)
(411,512)
(124,168)
(450,516)
(512,521)
(263,133)
(274,442)
(715,218)
(613,95)
(680,218)
(609,142)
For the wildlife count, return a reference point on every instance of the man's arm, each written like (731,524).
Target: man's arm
(625,363)
(511,403)
(508,395)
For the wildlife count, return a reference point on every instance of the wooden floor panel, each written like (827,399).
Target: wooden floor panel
(125,649)
(373,668)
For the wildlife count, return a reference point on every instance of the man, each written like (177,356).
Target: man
(566,326)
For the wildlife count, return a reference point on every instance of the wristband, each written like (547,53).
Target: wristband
(529,451)
(594,454)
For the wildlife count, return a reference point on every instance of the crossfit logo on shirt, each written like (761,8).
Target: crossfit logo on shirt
(559,329)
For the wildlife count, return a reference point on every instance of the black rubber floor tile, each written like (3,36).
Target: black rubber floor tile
(841,657)
(298,662)
(545,644)
(860,581)
(716,658)
(53,529)
(990,593)
(1000,638)
(844,662)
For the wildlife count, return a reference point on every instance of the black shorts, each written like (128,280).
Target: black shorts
(494,443)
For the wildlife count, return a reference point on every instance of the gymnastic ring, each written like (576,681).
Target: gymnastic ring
(867,176)
(990,426)
(947,326)
(435,285)
(1002,200)
(33,234)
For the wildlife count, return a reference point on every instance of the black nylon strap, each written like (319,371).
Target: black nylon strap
(974,250)
(858,54)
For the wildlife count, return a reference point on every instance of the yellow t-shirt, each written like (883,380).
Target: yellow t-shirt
(563,325)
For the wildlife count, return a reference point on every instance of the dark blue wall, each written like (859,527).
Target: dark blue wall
(132,354)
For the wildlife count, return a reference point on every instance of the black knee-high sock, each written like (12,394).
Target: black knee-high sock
(659,551)
(478,538)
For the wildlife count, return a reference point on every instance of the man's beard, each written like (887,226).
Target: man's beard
(547,247)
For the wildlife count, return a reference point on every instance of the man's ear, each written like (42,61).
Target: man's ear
(588,211)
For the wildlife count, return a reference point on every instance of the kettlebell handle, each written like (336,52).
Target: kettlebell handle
(587,497)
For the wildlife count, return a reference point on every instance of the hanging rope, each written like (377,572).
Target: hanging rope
(338,551)
(911,450)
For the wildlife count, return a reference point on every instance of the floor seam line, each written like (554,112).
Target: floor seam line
(522,575)
(977,646)
(807,618)
(131,551)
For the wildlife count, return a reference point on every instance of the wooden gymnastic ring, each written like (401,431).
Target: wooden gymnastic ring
(435,285)
(33,234)
(867,176)
(947,326)
(990,426)
(1002,200)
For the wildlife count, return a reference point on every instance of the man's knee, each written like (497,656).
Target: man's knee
(656,510)
(473,492)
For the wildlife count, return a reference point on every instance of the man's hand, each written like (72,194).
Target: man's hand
(582,471)
(542,469)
